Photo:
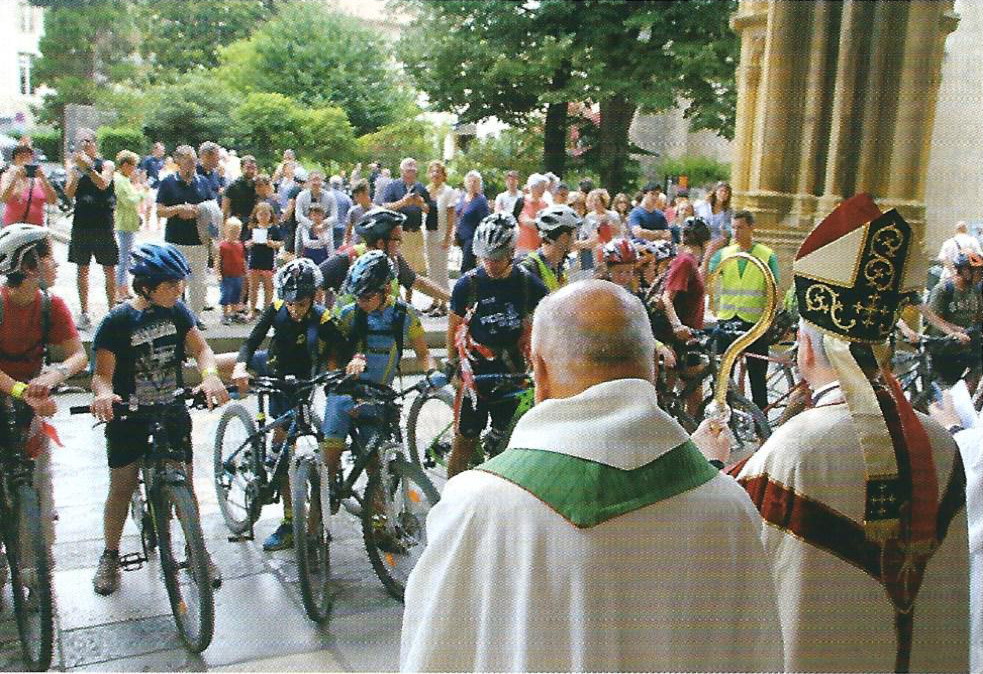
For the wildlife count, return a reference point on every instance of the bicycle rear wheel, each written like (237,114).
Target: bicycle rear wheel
(312,541)
(430,431)
(394,517)
(188,582)
(237,467)
(30,579)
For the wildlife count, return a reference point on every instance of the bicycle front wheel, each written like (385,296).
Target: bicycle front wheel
(188,582)
(394,517)
(237,468)
(311,539)
(430,431)
(30,579)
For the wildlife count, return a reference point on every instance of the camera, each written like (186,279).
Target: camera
(30,170)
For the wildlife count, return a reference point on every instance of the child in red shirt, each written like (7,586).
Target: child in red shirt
(231,271)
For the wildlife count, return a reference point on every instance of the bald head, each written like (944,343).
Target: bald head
(590,332)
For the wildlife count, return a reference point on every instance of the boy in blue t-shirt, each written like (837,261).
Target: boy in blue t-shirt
(139,351)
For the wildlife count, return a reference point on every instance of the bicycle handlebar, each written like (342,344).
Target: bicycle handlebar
(138,410)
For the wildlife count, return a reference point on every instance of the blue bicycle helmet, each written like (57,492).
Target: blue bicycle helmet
(156,262)
(371,272)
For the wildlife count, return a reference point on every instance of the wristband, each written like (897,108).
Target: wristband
(17,390)
(209,371)
(359,356)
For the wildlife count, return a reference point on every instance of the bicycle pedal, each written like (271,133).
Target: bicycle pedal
(132,561)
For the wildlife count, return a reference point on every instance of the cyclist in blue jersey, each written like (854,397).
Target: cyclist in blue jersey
(303,335)
(488,330)
(375,325)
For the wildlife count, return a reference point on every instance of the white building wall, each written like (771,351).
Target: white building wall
(20,30)
(954,187)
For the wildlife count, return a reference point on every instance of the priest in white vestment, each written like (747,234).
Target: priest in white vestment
(601,539)
(862,499)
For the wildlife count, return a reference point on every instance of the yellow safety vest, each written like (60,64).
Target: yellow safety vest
(743,294)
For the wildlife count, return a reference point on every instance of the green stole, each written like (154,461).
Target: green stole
(587,493)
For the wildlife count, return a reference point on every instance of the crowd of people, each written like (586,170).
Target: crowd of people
(622,544)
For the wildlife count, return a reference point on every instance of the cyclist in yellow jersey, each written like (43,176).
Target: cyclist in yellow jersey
(556,226)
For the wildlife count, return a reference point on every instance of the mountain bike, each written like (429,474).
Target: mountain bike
(172,515)
(913,370)
(430,423)
(249,471)
(398,495)
(748,424)
(24,540)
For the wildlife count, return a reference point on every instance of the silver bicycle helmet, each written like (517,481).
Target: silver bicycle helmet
(16,240)
(495,237)
(555,220)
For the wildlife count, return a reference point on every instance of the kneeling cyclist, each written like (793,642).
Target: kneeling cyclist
(302,336)
(375,325)
(140,347)
(489,327)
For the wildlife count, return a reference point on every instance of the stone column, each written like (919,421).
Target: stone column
(841,101)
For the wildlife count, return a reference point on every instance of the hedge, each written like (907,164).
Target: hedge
(114,139)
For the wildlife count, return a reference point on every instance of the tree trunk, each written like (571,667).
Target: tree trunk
(555,131)
(555,138)
(617,113)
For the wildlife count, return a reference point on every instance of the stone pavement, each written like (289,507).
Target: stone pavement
(260,623)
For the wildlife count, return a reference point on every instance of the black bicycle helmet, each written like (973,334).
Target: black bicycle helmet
(372,272)
(495,237)
(297,279)
(156,262)
(695,230)
(16,240)
(378,223)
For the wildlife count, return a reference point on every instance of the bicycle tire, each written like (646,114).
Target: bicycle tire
(395,539)
(430,431)
(30,579)
(312,541)
(748,424)
(236,476)
(780,381)
(192,602)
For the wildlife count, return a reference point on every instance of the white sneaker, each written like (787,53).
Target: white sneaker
(83,322)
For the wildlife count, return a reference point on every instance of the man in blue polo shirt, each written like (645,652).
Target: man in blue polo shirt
(177,200)
(646,221)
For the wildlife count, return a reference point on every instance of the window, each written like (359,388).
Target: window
(27,21)
(24,62)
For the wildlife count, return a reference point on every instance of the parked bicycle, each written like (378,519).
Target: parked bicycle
(167,515)
(25,541)
(430,423)
(913,369)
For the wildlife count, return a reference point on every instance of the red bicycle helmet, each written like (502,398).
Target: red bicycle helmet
(619,251)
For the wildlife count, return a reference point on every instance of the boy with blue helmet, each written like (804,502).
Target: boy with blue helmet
(140,348)
(375,323)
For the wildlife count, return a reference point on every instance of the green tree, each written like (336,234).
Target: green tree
(114,139)
(192,110)
(85,47)
(408,138)
(319,58)
(517,60)
(269,123)
(180,36)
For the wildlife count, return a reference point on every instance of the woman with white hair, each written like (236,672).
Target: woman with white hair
(533,203)
(471,210)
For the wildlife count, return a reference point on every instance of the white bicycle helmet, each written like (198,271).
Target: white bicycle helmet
(555,220)
(495,237)
(16,240)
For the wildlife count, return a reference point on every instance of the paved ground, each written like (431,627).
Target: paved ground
(260,621)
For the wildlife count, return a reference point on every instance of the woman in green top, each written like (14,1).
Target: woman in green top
(128,200)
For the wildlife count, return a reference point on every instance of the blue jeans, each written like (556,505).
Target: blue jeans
(125,242)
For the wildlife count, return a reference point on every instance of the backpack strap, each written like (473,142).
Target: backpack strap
(45,324)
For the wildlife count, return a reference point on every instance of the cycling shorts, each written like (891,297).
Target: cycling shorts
(127,441)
